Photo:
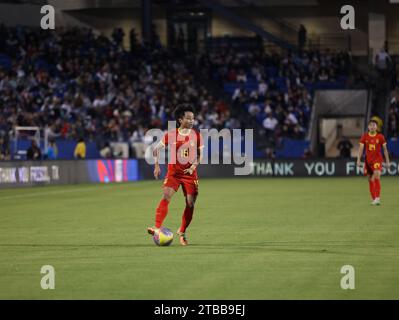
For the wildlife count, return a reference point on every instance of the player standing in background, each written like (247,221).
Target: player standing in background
(186,146)
(372,141)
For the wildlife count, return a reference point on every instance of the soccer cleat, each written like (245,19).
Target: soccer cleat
(182,238)
(151,230)
(376,202)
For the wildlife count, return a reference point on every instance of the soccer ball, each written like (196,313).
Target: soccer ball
(163,237)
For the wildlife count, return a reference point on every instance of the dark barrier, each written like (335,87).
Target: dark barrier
(281,168)
(315,168)
(204,170)
(32,173)
(29,173)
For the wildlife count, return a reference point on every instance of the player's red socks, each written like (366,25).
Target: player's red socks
(377,188)
(186,219)
(161,212)
(372,188)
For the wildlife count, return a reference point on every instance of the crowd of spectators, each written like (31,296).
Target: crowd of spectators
(276,88)
(77,84)
(80,85)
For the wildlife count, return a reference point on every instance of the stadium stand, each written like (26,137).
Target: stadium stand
(73,83)
(81,85)
(276,91)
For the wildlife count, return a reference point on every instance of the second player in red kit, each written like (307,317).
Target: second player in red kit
(372,142)
(185,145)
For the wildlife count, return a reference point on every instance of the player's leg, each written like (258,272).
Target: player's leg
(188,212)
(371,186)
(190,189)
(169,189)
(368,171)
(162,209)
(377,186)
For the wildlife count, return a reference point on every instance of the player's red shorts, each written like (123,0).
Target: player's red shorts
(188,183)
(369,168)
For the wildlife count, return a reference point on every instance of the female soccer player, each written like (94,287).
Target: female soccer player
(186,151)
(372,141)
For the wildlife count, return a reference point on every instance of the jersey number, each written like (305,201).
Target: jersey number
(184,153)
(371,147)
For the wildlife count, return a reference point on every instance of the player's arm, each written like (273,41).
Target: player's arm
(199,158)
(155,153)
(197,161)
(386,154)
(360,154)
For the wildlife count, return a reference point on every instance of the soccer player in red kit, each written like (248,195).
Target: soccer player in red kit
(186,152)
(372,141)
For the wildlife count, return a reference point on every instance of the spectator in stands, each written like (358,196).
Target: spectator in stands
(323,76)
(270,154)
(106,151)
(345,147)
(80,150)
(34,152)
(180,40)
(137,142)
(393,123)
(307,154)
(241,76)
(232,75)
(133,40)
(253,108)
(270,124)
(238,93)
(383,62)
(51,132)
(4,127)
(291,119)
(117,35)
(321,151)
(4,149)
(52,150)
(262,88)
(393,116)
(302,37)
(298,132)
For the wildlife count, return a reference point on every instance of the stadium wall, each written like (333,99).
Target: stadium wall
(20,14)
(40,173)
(105,20)
(392,29)
(282,168)
(322,24)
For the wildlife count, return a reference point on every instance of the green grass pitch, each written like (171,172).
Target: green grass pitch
(249,239)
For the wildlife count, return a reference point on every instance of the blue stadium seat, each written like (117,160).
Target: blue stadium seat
(271,71)
(393,147)
(292,148)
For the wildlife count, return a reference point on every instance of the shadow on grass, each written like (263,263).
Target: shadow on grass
(327,246)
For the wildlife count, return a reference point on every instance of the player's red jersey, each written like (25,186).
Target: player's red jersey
(183,150)
(372,145)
